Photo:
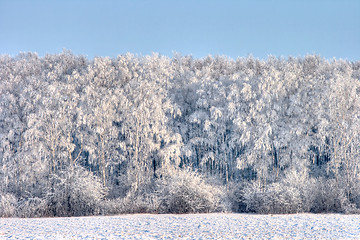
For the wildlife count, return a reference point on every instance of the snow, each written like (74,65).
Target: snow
(193,226)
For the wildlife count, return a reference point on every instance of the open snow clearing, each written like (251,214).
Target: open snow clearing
(192,226)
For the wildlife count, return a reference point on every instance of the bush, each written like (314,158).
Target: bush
(143,199)
(275,199)
(8,204)
(33,207)
(186,192)
(292,194)
(76,192)
(354,192)
(330,197)
(236,196)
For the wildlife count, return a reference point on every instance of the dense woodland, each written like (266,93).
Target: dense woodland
(156,134)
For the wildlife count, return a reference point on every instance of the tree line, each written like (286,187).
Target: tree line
(157,134)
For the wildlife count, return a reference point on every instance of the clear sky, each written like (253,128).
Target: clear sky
(330,28)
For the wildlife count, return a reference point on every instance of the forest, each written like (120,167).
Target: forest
(158,134)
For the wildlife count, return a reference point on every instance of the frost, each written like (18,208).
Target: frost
(105,135)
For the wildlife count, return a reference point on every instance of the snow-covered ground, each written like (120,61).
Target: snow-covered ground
(195,226)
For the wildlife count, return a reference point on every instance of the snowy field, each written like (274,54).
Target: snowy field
(196,226)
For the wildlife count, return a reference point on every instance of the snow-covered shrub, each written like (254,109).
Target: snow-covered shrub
(33,207)
(304,185)
(182,191)
(236,196)
(329,196)
(76,192)
(292,194)
(275,198)
(143,199)
(186,192)
(295,192)
(146,203)
(354,192)
(8,204)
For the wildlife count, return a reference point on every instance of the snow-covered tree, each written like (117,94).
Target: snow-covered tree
(137,127)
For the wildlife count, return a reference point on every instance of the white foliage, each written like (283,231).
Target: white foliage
(124,123)
(8,205)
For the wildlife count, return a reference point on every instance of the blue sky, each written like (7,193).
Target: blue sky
(330,28)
